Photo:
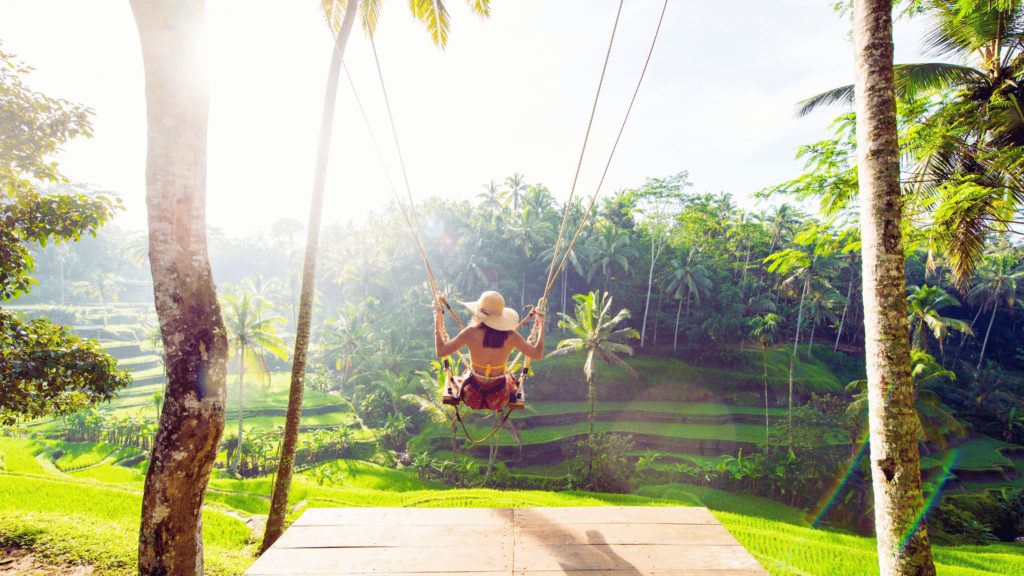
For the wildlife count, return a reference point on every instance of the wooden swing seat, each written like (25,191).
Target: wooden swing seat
(452,395)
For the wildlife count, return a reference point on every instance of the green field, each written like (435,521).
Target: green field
(81,520)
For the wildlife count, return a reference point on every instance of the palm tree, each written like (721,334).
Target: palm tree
(988,389)
(780,222)
(984,118)
(608,248)
(819,309)
(934,422)
(192,419)
(923,315)
(804,265)
(526,230)
(595,333)
(491,199)
(765,329)
(468,267)
(903,544)
(515,193)
(251,335)
(690,277)
(995,284)
(430,401)
(434,16)
(102,285)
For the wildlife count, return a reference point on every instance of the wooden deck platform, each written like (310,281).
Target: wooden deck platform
(611,541)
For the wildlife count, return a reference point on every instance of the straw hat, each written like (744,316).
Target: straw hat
(490,309)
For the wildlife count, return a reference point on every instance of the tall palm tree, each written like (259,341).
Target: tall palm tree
(251,335)
(340,17)
(765,329)
(103,285)
(516,191)
(780,222)
(468,267)
(819,309)
(934,422)
(987,389)
(923,314)
(608,248)
(902,536)
(983,118)
(995,284)
(805,264)
(527,230)
(595,332)
(490,201)
(192,419)
(689,277)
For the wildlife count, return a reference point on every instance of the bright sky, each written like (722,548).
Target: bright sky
(509,94)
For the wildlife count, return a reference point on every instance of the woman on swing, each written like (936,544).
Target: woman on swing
(490,337)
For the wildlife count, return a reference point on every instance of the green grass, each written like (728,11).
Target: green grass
(81,454)
(101,503)
(18,456)
(111,474)
(694,408)
(977,454)
(728,432)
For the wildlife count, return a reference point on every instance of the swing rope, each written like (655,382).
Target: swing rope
(553,272)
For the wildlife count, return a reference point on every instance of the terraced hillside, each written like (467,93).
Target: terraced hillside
(91,517)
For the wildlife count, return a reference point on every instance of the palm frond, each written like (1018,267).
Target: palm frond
(842,95)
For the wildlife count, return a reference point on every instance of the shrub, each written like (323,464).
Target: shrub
(600,463)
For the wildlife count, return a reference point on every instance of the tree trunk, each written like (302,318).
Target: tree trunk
(241,383)
(963,335)
(792,359)
(195,341)
(103,299)
(995,307)
(849,290)
(745,264)
(523,295)
(494,451)
(657,316)
(282,485)
(647,304)
(810,343)
(766,428)
(675,339)
(903,543)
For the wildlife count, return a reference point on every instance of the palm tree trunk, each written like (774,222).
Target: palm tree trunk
(792,359)
(282,486)
(241,378)
(647,304)
(746,263)
(981,358)
(675,339)
(523,296)
(657,316)
(766,428)
(494,452)
(810,343)
(963,335)
(103,299)
(902,534)
(195,341)
(839,334)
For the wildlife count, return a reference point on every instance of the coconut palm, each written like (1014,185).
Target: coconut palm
(103,285)
(765,329)
(490,201)
(923,307)
(516,191)
(780,222)
(987,390)
(964,138)
(609,247)
(430,400)
(689,277)
(995,284)
(252,334)
(467,265)
(820,304)
(595,333)
(340,17)
(527,230)
(934,420)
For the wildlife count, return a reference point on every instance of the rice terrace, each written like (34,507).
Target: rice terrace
(593,288)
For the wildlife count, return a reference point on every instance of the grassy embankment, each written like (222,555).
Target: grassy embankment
(84,521)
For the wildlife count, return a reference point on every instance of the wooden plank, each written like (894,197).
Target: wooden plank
(634,572)
(614,515)
(411,559)
(531,558)
(389,536)
(656,534)
(405,517)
